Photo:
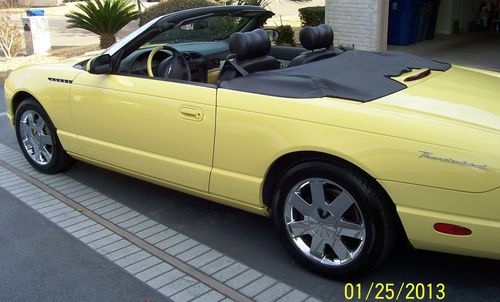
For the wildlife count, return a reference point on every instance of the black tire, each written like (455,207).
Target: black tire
(378,217)
(60,160)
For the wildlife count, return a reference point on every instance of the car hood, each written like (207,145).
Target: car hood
(65,64)
(467,96)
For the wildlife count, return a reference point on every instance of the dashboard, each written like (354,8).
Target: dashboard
(201,57)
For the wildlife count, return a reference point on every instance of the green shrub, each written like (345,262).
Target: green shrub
(312,16)
(263,3)
(345,47)
(224,2)
(285,35)
(170,6)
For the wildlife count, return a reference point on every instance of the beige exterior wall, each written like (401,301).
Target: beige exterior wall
(45,3)
(359,22)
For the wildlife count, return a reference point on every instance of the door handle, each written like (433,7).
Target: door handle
(191,113)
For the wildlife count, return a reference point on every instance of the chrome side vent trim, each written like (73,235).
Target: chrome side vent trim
(60,80)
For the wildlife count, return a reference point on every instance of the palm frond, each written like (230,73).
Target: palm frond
(102,17)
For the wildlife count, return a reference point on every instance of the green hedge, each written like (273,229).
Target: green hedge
(263,3)
(285,35)
(171,6)
(312,16)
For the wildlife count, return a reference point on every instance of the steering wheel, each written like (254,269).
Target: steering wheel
(176,57)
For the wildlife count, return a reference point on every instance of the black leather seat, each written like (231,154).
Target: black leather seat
(249,53)
(318,40)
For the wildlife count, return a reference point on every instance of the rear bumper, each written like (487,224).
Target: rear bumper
(483,242)
(419,208)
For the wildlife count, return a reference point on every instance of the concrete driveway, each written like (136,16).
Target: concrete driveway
(481,50)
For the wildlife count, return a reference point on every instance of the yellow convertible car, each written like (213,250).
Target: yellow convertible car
(346,151)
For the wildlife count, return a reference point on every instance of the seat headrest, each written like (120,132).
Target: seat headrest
(316,37)
(249,45)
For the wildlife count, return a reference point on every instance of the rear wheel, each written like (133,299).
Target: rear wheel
(332,219)
(38,139)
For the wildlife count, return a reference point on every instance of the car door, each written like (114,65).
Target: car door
(161,129)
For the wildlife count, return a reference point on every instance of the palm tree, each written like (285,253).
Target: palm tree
(103,17)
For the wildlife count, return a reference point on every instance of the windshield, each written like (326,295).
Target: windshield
(211,28)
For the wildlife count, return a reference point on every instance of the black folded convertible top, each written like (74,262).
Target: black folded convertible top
(354,75)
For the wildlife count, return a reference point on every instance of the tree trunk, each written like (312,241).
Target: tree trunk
(107,40)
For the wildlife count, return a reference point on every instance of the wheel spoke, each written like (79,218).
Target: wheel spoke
(300,204)
(38,154)
(300,228)
(24,128)
(317,246)
(351,230)
(27,142)
(341,250)
(317,193)
(45,154)
(340,205)
(30,120)
(40,124)
(44,140)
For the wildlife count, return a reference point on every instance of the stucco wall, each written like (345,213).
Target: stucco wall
(359,22)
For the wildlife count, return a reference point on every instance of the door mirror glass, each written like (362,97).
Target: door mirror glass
(100,64)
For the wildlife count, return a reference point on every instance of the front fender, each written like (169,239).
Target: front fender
(50,85)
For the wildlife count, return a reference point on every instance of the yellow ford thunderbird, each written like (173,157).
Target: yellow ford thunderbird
(346,151)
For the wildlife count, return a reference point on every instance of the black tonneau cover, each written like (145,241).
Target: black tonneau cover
(354,75)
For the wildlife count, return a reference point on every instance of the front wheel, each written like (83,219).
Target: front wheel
(332,219)
(38,139)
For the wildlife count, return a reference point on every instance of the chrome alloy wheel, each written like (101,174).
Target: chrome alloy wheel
(324,222)
(36,137)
